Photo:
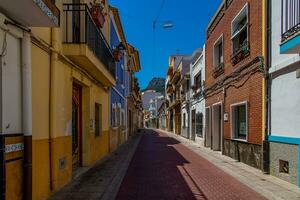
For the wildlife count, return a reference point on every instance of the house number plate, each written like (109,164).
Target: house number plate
(14,147)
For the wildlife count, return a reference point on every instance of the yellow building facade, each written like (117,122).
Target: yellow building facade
(56,115)
(55,100)
(70,85)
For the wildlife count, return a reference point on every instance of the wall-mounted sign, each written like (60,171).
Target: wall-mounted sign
(226,117)
(14,147)
(92,124)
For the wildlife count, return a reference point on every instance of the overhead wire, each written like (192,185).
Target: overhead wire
(154,35)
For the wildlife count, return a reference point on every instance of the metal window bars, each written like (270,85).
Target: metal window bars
(80,28)
(290,19)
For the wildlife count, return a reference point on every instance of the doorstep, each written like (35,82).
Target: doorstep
(267,185)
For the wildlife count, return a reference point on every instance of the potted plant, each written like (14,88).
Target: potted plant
(117,54)
(98,14)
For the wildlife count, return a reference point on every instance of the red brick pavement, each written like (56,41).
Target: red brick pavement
(162,168)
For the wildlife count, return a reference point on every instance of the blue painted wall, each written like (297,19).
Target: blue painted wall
(118,93)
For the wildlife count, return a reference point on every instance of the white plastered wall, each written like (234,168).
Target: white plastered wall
(11,81)
(285,89)
(198,104)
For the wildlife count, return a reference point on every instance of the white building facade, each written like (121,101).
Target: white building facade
(197,102)
(284,87)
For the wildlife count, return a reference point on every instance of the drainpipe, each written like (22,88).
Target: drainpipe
(266,89)
(52,98)
(27,113)
(223,122)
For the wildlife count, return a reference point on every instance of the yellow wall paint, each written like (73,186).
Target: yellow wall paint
(40,169)
(61,149)
(14,180)
(14,170)
(94,148)
(40,93)
(62,101)
(63,75)
(84,57)
(43,33)
(99,147)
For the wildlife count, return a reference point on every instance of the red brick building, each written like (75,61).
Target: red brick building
(234,81)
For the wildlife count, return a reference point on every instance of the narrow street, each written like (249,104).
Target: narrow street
(162,168)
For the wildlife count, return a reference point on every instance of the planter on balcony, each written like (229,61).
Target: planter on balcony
(240,54)
(194,87)
(98,15)
(218,70)
(117,55)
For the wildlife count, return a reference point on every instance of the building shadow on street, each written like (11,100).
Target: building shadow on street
(156,172)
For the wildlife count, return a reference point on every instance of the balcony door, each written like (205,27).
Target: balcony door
(76,21)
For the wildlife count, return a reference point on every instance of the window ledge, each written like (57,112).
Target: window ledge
(241,54)
(240,140)
(218,70)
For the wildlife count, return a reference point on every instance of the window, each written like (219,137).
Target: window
(113,117)
(239,121)
(218,53)
(98,119)
(239,31)
(290,20)
(184,125)
(187,85)
(197,80)
(118,113)
(123,118)
(199,124)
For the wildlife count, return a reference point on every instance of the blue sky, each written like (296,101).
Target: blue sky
(189,17)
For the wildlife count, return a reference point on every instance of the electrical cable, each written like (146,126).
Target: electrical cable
(4,45)
(154,28)
(160,10)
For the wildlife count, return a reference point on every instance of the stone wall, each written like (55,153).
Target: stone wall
(286,152)
(247,153)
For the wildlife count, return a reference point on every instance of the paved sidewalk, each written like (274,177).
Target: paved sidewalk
(103,180)
(267,185)
(163,168)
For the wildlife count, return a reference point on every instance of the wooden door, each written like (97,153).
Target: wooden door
(76,126)
(208,136)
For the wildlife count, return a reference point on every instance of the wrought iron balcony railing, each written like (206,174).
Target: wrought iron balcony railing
(80,28)
(290,19)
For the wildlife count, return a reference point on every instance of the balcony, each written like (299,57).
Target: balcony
(85,44)
(169,88)
(242,52)
(218,70)
(290,27)
(43,13)
(176,77)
